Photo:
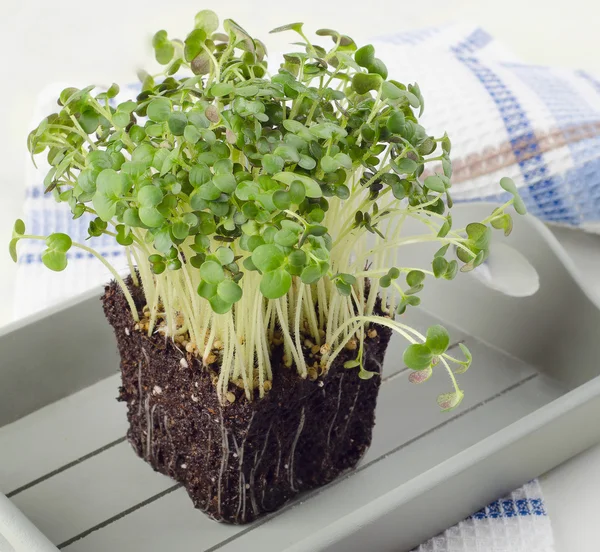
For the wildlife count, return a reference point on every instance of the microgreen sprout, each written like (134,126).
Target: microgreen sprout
(263,209)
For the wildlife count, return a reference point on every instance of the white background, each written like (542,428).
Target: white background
(44,41)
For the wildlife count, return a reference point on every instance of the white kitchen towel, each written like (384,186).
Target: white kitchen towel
(502,121)
(516,523)
(538,125)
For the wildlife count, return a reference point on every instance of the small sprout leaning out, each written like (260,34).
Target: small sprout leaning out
(251,203)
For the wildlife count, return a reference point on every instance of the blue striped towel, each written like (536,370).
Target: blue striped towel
(538,125)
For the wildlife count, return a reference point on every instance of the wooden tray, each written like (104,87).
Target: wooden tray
(532,400)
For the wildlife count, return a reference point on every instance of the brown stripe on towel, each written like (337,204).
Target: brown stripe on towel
(506,154)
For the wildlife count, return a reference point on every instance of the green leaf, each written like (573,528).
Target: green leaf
(18,228)
(54,260)
(365,82)
(395,123)
(344,288)
(144,155)
(451,271)
(207,290)
(191,134)
(468,358)
(89,120)
(282,199)
(272,163)
(385,281)
(504,222)
(225,255)
(365,374)
(378,67)
(12,249)
(365,56)
(124,237)
(297,258)
(327,130)
(212,272)
(519,205)
(438,339)
(99,159)
(159,110)
(343,160)
(421,376)
(479,235)
(151,217)
(449,401)
(121,119)
(275,284)
(286,237)
(105,206)
(54,257)
(208,192)
(509,185)
(207,20)
(268,258)
(193,44)
(289,27)
(435,184)
(447,166)
(246,91)
(439,265)
(311,274)
(311,188)
(150,196)
(329,164)
(218,305)
(390,91)
(221,89)
(225,182)
(200,174)
(177,122)
(393,273)
(59,242)
(229,291)
(418,356)
(297,192)
(406,165)
(415,278)
(288,153)
(163,48)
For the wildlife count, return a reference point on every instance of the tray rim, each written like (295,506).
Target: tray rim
(455,465)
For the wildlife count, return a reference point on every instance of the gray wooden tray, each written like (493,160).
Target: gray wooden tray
(532,401)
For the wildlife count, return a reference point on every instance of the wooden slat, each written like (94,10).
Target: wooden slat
(60,433)
(183,526)
(90,492)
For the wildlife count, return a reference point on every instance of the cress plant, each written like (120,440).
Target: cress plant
(257,209)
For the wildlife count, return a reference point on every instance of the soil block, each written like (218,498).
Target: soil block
(240,460)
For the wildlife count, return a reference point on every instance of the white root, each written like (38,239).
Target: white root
(257,462)
(168,431)
(349,415)
(242,477)
(140,390)
(148,428)
(224,457)
(293,451)
(333,419)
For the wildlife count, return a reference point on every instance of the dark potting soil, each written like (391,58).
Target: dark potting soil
(240,460)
